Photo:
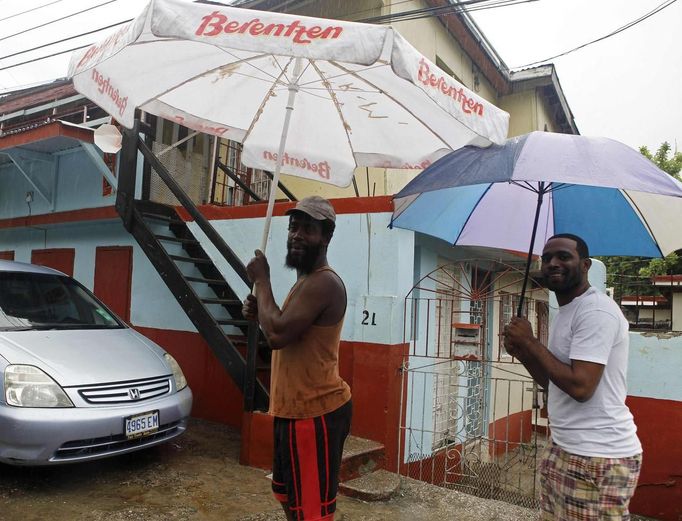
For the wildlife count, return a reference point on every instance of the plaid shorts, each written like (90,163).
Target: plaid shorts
(581,488)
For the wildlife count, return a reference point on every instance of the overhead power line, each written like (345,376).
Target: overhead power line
(29,10)
(464,6)
(460,7)
(59,41)
(56,20)
(662,6)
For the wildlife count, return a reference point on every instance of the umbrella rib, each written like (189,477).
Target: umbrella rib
(526,185)
(558,186)
(350,73)
(258,113)
(204,72)
(426,126)
(335,102)
(643,219)
(473,209)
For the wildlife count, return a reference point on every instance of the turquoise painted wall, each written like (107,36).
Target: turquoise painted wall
(655,366)
(362,245)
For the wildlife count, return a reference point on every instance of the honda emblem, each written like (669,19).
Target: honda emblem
(134,393)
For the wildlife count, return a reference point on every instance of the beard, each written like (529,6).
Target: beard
(303,262)
(571,280)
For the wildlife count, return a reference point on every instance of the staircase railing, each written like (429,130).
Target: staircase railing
(243,372)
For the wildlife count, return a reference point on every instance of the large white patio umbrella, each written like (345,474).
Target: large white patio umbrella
(311,97)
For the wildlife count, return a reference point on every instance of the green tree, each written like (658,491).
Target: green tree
(671,164)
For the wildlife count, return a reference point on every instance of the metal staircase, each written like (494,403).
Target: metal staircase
(199,287)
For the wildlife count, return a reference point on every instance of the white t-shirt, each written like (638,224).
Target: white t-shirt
(592,328)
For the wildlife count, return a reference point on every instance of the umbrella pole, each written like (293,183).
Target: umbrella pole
(293,90)
(541,193)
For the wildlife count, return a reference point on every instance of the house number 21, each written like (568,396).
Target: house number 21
(366,318)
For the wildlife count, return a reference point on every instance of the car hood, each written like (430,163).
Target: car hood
(84,357)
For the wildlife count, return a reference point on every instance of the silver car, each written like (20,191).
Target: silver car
(77,383)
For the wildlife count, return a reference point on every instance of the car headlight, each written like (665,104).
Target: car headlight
(180,380)
(28,386)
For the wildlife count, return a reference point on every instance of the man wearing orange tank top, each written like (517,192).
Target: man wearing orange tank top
(309,400)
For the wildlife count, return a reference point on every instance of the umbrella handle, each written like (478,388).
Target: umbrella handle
(293,89)
(541,193)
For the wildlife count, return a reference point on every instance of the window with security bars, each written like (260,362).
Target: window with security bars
(509,304)
(225,190)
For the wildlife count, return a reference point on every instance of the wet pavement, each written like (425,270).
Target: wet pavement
(198,477)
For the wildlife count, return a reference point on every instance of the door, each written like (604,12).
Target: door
(57,258)
(113,278)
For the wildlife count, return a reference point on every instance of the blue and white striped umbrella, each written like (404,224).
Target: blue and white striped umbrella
(613,197)
(600,189)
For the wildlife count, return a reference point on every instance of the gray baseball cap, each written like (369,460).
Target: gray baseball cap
(316,207)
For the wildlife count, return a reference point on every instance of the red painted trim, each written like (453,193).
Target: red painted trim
(55,129)
(257,440)
(86,214)
(510,431)
(351,205)
(348,205)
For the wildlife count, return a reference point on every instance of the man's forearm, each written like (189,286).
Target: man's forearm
(534,367)
(547,367)
(268,311)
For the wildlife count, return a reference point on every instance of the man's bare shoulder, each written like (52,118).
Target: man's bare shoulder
(326,280)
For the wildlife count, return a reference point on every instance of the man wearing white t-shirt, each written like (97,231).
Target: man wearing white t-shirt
(590,470)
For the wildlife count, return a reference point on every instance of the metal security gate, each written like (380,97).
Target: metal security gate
(471,416)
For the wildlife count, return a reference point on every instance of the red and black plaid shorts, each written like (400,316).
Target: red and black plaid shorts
(582,488)
(307,459)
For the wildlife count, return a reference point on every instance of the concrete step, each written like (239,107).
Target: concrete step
(360,457)
(380,485)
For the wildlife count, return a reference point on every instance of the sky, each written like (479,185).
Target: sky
(627,87)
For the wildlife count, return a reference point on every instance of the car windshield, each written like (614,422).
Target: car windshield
(33,301)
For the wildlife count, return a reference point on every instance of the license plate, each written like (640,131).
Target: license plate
(141,424)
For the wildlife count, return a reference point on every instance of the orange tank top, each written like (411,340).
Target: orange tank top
(305,381)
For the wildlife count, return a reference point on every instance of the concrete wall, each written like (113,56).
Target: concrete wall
(655,399)
(358,252)
(529,111)
(677,311)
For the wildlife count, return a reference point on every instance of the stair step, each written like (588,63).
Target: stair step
(214,282)
(172,238)
(241,342)
(233,322)
(222,301)
(380,485)
(195,260)
(360,457)
(159,217)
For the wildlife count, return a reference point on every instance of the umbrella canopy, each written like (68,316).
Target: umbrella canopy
(517,195)
(363,95)
(597,188)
